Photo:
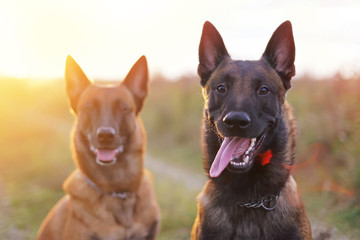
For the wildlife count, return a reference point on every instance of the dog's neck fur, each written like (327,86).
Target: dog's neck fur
(259,180)
(124,176)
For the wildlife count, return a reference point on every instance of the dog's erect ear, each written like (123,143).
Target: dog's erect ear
(280,53)
(137,81)
(76,81)
(212,51)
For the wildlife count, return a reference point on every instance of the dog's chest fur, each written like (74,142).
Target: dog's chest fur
(107,217)
(234,222)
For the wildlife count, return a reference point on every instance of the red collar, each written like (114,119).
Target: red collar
(266,157)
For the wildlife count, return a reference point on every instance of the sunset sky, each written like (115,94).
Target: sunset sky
(107,37)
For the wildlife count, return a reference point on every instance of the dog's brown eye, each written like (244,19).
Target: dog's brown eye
(221,88)
(121,106)
(264,91)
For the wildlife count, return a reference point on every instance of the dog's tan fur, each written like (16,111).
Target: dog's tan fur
(93,214)
(108,218)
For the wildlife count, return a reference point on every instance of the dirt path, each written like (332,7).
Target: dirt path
(191,181)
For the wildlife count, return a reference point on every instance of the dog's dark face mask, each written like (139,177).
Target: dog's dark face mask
(243,99)
(106,115)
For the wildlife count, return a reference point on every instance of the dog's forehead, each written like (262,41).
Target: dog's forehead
(246,72)
(108,94)
(247,69)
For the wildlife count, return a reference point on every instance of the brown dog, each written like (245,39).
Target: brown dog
(110,195)
(248,143)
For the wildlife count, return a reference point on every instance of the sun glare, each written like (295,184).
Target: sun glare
(106,37)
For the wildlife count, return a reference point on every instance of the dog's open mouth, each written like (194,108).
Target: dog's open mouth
(106,156)
(237,153)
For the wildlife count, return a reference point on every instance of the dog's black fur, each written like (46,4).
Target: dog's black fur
(246,99)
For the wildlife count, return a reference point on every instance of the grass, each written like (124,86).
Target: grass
(177,208)
(35,156)
(172,117)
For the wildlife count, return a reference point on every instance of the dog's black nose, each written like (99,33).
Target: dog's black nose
(237,119)
(105,135)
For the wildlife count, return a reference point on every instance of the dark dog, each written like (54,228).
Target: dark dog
(110,196)
(248,143)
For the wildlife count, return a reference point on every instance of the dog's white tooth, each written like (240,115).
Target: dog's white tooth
(246,159)
(253,140)
(247,151)
(250,149)
(93,149)
(120,149)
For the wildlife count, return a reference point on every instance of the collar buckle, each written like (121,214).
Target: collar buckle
(268,202)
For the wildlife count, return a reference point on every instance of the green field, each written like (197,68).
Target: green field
(35,125)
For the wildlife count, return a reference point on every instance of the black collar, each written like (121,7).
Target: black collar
(268,202)
(121,195)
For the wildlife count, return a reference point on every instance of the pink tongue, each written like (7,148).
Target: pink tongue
(106,155)
(226,151)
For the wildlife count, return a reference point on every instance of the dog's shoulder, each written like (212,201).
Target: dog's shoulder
(54,223)
(211,215)
(76,187)
(291,199)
